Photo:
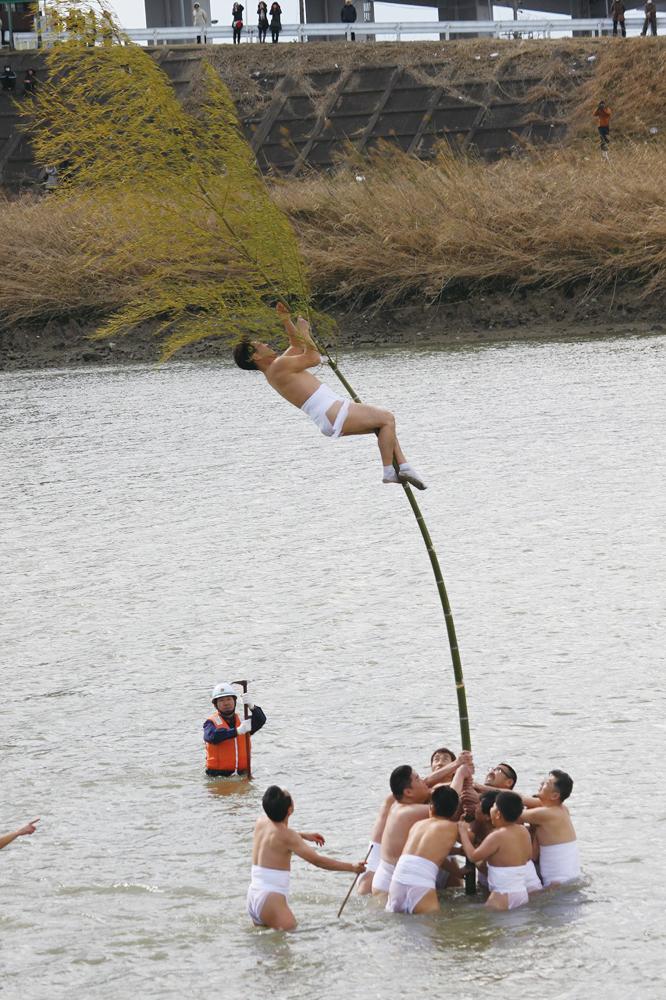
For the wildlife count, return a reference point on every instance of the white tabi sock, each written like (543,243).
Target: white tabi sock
(390,475)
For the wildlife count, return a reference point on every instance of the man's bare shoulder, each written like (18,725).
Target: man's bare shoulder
(412,813)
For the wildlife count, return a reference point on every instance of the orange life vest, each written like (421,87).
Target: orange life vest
(229,755)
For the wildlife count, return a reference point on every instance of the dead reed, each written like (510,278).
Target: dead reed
(413,230)
(409,230)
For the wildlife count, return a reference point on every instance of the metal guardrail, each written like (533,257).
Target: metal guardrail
(385,30)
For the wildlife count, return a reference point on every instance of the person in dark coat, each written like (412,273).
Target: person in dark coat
(650,18)
(348,16)
(8,80)
(262,20)
(276,22)
(617,13)
(30,82)
(237,21)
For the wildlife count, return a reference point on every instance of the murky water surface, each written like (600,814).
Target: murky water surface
(166,528)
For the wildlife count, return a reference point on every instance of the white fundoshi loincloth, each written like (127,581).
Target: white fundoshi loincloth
(559,863)
(412,879)
(511,881)
(265,881)
(374,857)
(532,879)
(317,406)
(382,878)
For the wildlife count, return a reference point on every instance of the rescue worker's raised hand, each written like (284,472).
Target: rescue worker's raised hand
(248,702)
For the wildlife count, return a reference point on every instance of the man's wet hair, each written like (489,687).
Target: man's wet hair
(510,805)
(243,356)
(512,773)
(276,803)
(563,784)
(488,801)
(442,750)
(400,780)
(445,801)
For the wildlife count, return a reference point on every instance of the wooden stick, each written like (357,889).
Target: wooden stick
(246,714)
(351,887)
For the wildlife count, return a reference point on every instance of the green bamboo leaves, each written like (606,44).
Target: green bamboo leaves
(208,251)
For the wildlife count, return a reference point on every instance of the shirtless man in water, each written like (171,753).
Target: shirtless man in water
(274,844)
(558,848)
(334,415)
(412,803)
(507,850)
(413,887)
(444,765)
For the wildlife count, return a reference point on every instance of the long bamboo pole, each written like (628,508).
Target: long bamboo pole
(461,695)
(441,588)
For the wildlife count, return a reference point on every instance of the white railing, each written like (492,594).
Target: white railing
(385,30)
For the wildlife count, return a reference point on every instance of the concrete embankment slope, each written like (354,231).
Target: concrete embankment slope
(305,105)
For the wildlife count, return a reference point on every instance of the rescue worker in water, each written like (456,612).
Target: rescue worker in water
(225,736)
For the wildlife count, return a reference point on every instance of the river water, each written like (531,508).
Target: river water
(164,528)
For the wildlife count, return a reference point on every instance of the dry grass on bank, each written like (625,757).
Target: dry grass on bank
(55,259)
(411,231)
(630,74)
(414,230)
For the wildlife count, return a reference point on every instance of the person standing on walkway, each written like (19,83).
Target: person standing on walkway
(200,22)
(603,116)
(348,15)
(276,21)
(226,738)
(262,22)
(617,13)
(237,21)
(650,18)
(30,82)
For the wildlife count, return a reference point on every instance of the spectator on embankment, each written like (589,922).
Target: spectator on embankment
(650,18)
(348,15)
(617,13)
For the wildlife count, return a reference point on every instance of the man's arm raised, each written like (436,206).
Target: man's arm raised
(535,817)
(296,844)
(444,774)
(481,853)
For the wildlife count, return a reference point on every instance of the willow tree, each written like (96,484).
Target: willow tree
(209,251)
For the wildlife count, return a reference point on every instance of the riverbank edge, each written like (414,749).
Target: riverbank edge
(483,317)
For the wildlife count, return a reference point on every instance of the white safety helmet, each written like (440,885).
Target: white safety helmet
(223,691)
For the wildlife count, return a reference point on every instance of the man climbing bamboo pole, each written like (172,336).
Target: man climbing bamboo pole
(334,415)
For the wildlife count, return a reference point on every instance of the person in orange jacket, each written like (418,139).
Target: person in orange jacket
(603,116)
(226,738)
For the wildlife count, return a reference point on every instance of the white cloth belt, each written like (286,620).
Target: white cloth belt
(317,406)
(374,857)
(559,862)
(382,878)
(270,879)
(412,870)
(510,879)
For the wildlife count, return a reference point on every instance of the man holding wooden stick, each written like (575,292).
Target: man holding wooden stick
(274,843)
(334,415)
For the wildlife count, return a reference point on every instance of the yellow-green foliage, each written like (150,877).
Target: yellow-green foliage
(207,251)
